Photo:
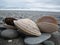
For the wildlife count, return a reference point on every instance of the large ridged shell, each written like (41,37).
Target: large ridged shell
(28,27)
(48,27)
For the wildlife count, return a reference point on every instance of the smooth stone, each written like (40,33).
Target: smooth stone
(2,25)
(9,33)
(37,40)
(56,37)
(1,20)
(35,44)
(48,43)
(2,28)
(17,41)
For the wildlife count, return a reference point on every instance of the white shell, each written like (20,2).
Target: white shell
(28,27)
(48,27)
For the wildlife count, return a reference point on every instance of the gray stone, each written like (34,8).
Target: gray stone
(48,43)
(1,28)
(37,40)
(17,41)
(34,44)
(1,20)
(9,33)
(55,37)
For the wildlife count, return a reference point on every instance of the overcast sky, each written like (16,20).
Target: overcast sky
(31,4)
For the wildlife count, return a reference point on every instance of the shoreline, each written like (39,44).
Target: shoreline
(30,10)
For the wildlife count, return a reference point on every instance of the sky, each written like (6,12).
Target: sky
(53,5)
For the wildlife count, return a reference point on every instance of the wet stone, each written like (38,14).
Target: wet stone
(9,33)
(17,41)
(1,20)
(36,40)
(1,28)
(48,43)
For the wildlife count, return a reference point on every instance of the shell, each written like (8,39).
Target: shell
(48,27)
(9,21)
(49,19)
(28,27)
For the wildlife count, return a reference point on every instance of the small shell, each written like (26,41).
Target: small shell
(9,21)
(49,19)
(48,27)
(28,27)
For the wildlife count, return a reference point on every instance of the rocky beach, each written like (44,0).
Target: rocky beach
(33,15)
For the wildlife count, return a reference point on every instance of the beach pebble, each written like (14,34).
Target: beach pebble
(48,27)
(36,40)
(48,43)
(35,44)
(16,41)
(1,28)
(9,33)
(1,20)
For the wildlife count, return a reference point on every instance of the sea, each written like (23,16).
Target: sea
(34,15)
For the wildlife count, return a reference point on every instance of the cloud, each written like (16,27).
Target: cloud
(31,4)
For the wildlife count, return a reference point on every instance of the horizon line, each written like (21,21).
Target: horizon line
(33,10)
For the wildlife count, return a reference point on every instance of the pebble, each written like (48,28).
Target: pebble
(1,20)
(36,44)
(16,41)
(36,40)
(9,40)
(1,28)
(9,33)
(48,43)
